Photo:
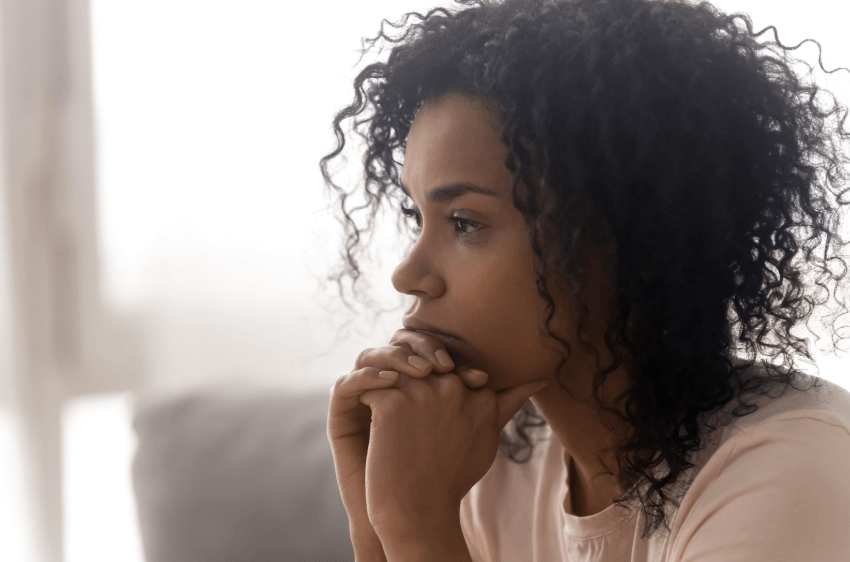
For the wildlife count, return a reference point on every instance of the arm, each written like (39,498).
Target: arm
(444,542)
(349,423)
(367,546)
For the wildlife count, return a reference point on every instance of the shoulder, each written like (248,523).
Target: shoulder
(789,448)
(778,489)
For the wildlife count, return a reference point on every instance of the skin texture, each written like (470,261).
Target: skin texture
(350,423)
(477,282)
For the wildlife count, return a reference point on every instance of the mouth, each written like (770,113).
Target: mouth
(442,337)
(415,324)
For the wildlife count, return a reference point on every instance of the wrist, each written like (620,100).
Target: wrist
(443,541)
(367,546)
(369,555)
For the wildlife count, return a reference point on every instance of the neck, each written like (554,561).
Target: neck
(578,423)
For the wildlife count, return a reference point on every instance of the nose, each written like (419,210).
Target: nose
(417,275)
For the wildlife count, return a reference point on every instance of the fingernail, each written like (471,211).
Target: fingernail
(443,358)
(418,362)
(388,374)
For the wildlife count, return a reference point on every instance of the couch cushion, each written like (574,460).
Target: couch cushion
(236,474)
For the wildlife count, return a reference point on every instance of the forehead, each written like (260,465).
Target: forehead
(455,139)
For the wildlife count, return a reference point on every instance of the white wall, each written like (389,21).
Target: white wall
(212,117)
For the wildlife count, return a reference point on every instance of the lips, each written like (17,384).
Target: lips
(419,326)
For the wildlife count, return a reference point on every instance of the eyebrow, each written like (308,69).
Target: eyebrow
(452,191)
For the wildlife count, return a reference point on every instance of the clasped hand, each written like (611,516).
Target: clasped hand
(431,440)
(407,450)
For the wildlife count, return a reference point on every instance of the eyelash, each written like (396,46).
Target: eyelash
(410,213)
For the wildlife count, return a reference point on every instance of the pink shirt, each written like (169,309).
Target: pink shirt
(771,486)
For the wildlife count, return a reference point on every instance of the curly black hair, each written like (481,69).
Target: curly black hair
(702,153)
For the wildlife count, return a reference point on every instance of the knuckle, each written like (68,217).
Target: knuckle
(393,401)
(366,372)
(341,380)
(395,355)
(363,357)
(348,382)
(399,352)
(339,385)
(450,382)
(402,356)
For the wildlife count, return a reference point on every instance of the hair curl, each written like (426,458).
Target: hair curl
(706,156)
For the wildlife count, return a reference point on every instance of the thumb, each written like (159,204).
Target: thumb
(511,399)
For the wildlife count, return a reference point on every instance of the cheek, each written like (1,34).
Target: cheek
(504,305)
(501,293)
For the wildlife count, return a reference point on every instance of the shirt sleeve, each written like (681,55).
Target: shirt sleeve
(779,490)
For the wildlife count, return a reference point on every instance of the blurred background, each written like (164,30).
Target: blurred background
(163,229)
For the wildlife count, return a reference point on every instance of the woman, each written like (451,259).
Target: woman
(607,199)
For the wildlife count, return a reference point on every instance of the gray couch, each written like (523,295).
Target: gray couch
(238,475)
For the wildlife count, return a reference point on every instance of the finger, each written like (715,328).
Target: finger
(512,399)
(398,358)
(346,415)
(472,378)
(371,397)
(355,382)
(425,346)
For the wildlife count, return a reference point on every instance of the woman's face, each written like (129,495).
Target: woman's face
(471,270)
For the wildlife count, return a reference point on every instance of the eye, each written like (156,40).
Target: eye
(410,213)
(462,224)
(464,228)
